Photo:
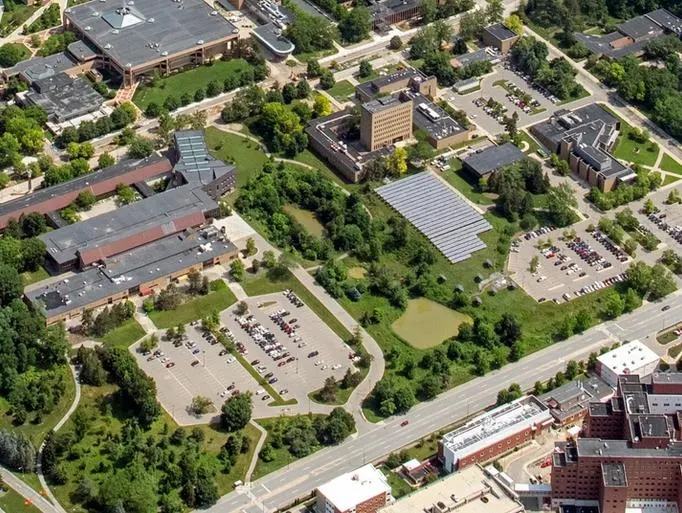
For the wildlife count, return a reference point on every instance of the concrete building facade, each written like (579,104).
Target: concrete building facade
(631,358)
(385,121)
(365,490)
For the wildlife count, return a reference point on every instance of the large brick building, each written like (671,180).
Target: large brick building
(494,433)
(364,490)
(631,452)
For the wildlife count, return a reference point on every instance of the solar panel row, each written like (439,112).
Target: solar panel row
(448,221)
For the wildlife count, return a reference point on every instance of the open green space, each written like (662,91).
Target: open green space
(31,480)
(309,158)
(459,179)
(342,90)
(675,351)
(644,154)
(306,218)
(12,502)
(379,72)
(670,179)
(399,487)
(533,145)
(37,426)
(315,56)
(671,165)
(127,333)
(267,283)
(426,324)
(218,299)
(188,81)
(93,456)
(15,17)
(32,277)
(248,155)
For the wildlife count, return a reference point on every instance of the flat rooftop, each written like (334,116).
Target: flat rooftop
(352,488)
(476,56)
(640,27)
(42,67)
(385,8)
(372,87)
(271,36)
(628,358)
(613,475)
(496,425)
(134,33)
(195,163)
(129,270)
(493,158)
(429,117)
(666,19)
(591,389)
(666,377)
(64,98)
(137,223)
(462,491)
(500,32)
(596,447)
(384,103)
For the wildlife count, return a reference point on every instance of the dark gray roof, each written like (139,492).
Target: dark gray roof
(141,265)
(640,27)
(386,8)
(195,163)
(441,214)
(77,184)
(372,87)
(64,98)
(667,20)
(167,27)
(666,377)
(161,210)
(272,38)
(595,447)
(82,50)
(432,119)
(613,474)
(493,158)
(648,426)
(593,388)
(478,55)
(383,103)
(602,45)
(500,32)
(42,67)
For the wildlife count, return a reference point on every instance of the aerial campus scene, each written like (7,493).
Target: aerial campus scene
(322,256)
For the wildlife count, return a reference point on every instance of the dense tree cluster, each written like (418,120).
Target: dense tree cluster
(236,412)
(645,182)
(557,75)
(16,451)
(57,43)
(138,389)
(651,282)
(120,117)
(108,319)
(49,18)
(11,54)
(22,134)
(515,186)
(310,33)
(346,221)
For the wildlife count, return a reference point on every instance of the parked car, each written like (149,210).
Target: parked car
(170,364)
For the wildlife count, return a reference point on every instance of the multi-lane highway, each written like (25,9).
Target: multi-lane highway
(281,488)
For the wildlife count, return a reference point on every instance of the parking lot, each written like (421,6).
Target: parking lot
(566,268)
(666,224)
(199,367)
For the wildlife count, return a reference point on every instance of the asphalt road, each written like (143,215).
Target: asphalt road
(281,488)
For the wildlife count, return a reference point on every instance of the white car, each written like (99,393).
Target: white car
(260,391)
(231,359)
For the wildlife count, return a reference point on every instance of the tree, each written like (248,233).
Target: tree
(355,24)
(494,11)
(200,405)
(105,160)
(560,203)
(430,386)
(472,24)
(365,68)
(33,224)
(237,269)
(140,148)
(310,33)
(17,452)
(10,54)
(514,24)
(251,248)
(11,286)
(508,329)
(395,43)
(322,106)
(313,69)
(327,80)
(614,304)
(328,391)
(85,200)
(396,163)
(236,412)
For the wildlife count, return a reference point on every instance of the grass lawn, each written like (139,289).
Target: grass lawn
(306,218)
(106,418)
(247,155)
(456,177)
(399,487)
(357,272)
(32,277)
(31,480)
(670,179)
(341,396)
(376,73)
(309,158)
(193,309)
(666,337)
(342,90)
(533,145)
(127,333)
(12,502)
(264,283)
(427,324)
(637,153)
(188,81)
(671,165)
(675,351)
(36,432)
(314,56)
(15,18)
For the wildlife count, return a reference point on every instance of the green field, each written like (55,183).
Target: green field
(342,90)
(188,81)
(37,432)
(671,165)
(626,149)
(12,502)
(32,277)
(14,18)
(458,178)
(306,218)
(533,145)
(127,333)
(670,179)
(427,324)
(248,156)
(675,351)
(196,308)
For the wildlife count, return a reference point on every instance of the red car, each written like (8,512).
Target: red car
(283,362)
(404,423)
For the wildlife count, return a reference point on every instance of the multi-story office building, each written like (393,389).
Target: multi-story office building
(364,490)
(385,121)
(631,456)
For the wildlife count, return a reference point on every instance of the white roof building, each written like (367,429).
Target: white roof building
(631,358)
(344,493)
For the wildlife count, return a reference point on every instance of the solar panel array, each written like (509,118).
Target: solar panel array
(448,221)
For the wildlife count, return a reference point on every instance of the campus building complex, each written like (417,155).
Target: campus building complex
(134,38)
(365,490)
(494,433)
(584,138)
(483,163)
(630,458)
(568,404)
(391,108)
(631,358)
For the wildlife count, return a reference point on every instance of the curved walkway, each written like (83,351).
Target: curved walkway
(256,452)
(58,426)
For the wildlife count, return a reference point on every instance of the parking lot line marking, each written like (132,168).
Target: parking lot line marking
(556,286)
(265,488)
